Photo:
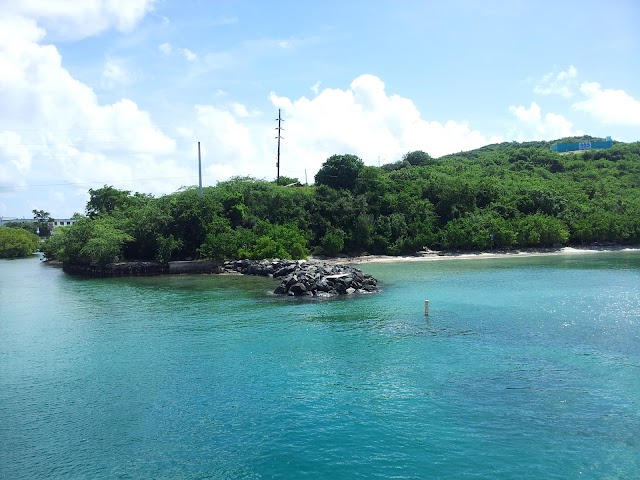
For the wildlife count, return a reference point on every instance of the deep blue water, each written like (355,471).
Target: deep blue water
(526,368)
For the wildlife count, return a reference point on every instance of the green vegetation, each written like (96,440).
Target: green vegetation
(17,242)
(508,195)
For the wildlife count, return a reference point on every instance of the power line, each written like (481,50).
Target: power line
(71,143)
(94,182)
(109,155)
(75,129)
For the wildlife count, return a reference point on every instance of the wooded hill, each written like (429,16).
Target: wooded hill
(507,195)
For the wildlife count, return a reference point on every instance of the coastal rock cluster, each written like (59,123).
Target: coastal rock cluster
(299,277)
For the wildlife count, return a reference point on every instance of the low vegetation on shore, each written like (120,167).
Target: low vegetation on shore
(17,242)
(509,195)
(21,239)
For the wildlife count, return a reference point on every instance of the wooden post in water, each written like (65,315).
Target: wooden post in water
(426,307)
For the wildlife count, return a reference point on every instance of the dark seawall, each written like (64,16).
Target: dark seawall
(297,277)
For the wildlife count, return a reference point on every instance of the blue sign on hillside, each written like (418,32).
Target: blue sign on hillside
(570,147)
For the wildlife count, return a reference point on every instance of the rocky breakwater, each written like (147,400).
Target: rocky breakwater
(303,278)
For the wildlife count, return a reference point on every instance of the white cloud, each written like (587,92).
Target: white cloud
(362,119)
(188,54)
(367,121)
(15,161)
(241,111)
(72,19)
(612,107)
(535,126)
(527,115)
(54,129)
(115,73)
(608,106)
(229,141)
(165,48)
(315,88)
(561,83)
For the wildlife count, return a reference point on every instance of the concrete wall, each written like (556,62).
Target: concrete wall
(198,266)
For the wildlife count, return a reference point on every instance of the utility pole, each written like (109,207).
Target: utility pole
(279,137)
(200,170)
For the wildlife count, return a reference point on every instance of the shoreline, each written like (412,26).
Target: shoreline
(430,256)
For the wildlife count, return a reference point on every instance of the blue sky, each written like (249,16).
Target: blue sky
(121,94)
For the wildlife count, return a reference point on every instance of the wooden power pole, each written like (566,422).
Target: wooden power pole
(279,137)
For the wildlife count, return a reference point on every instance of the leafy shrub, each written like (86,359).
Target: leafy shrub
(17,242)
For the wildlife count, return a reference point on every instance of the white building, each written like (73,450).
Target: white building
(64,222)
(57,222)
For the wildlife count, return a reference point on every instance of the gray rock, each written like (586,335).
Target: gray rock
(300,278)
(298,289)
(280,290)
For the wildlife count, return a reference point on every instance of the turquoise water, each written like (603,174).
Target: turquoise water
(526,368)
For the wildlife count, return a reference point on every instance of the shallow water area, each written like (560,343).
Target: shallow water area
(525,368)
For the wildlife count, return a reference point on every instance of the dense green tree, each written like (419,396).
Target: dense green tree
(53,248)
(17,242)
(148,221)
(105,200)
(453,197)
(43,223)
(468,232)
(332,243)
(189,217)
(393,166)
(603,226)
(288,181)
(28,226)
(221,245)
(533,199)
(340,172)
(104,244)
(88,242)
(264,241)
(541,230)
(417,158)
(166,246)
(507,195)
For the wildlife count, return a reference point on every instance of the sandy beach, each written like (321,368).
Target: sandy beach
(429,256)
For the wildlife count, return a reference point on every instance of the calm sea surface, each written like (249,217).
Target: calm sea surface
(526,368)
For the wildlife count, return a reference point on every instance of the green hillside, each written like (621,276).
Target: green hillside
(508,195)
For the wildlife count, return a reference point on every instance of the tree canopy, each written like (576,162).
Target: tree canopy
(17,242)
(340,172)
(105,200)
(507,195)
(43,222)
